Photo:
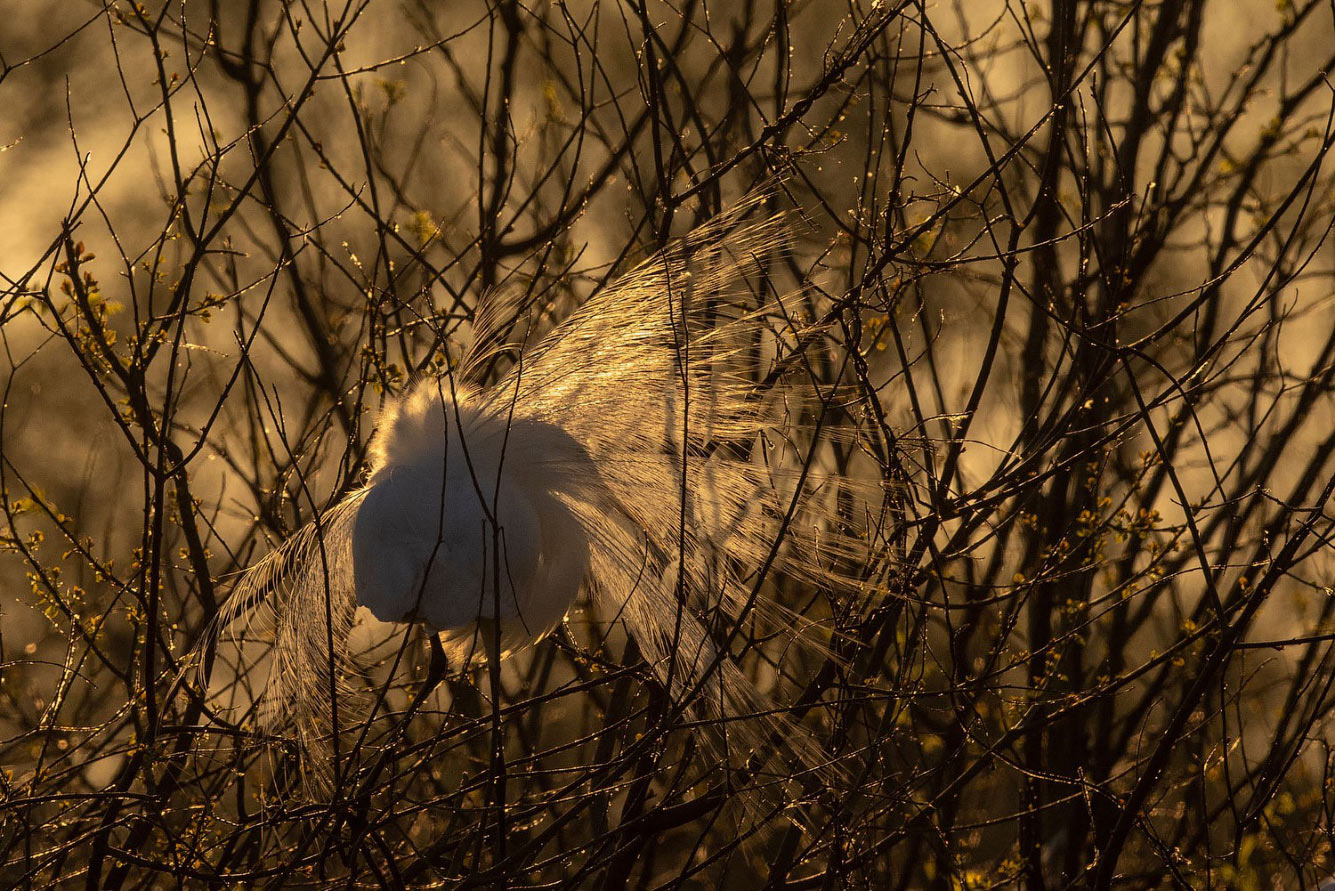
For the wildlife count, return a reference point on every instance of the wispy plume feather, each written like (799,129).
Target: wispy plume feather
(630,456)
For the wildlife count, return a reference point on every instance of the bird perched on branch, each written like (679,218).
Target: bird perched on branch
(640,453)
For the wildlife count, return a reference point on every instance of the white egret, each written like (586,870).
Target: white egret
(622,456)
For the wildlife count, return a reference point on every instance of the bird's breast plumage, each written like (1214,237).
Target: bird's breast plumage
(462,521)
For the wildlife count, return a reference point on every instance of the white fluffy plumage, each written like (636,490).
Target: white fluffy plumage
(464,518)
(621,457)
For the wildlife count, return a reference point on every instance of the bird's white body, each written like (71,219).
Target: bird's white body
(460,521)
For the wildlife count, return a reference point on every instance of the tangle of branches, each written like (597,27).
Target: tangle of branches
(1070,272)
